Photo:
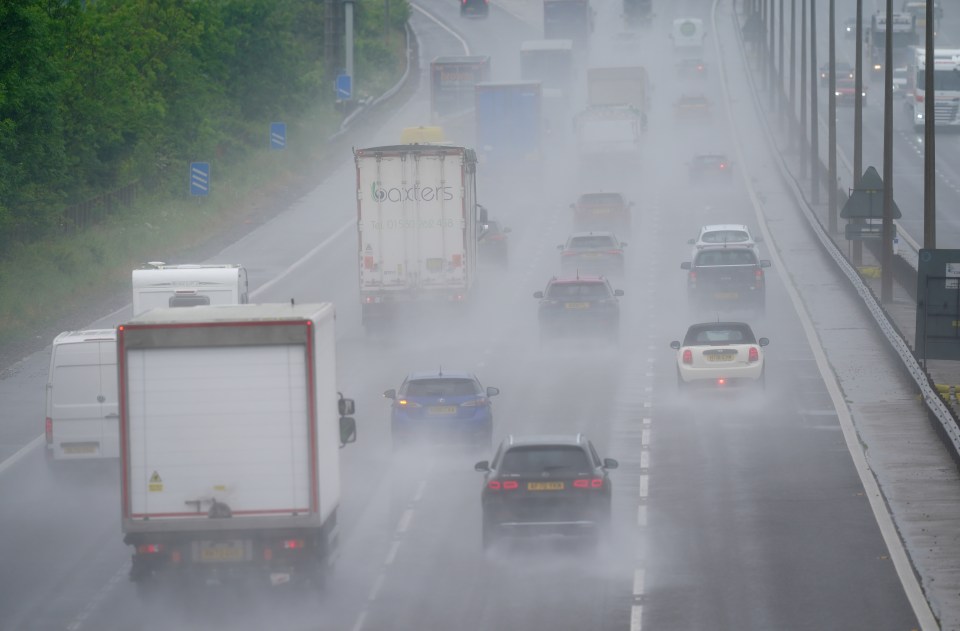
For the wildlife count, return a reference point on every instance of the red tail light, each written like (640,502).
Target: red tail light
(692,278)
(175,556)
(569,253)
(293,544)
(588,483)
(494,485)
(758,278)
(687,356)
(721,381)
(918,97)
(267,554)
(510,485)
(149,548)
(754,354)
(48,430)
(722,166)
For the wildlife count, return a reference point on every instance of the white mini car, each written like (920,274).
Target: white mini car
(720,354)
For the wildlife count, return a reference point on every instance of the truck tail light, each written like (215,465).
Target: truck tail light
(918,97)
(267,554)
(687,356)
(149,548)
(48,430)
(293,544)
(754,355)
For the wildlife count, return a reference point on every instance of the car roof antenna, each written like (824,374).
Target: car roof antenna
(440,374)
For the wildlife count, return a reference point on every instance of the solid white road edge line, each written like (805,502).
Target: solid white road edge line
(430,16)
(636,615)
(888,531)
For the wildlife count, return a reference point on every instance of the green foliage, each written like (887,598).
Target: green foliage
(95,94)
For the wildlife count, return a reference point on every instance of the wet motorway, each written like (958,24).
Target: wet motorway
(730,510)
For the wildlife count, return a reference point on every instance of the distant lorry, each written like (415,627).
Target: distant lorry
(161,285)
(509,118)
(417,227)
(568,19)
(904,35)
(550,61)
(615,116)
(637,11)
(688,36)
(946,93)
(82,422)
(452,80)
(230,434)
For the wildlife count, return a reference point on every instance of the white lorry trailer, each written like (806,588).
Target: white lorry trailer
(614,119)
(230,431)
(159,285)
(417,227)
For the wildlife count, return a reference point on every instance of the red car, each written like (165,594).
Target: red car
(847,91)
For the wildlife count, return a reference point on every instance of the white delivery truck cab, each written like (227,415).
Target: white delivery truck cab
(82,420)
(158,285)
(688,35)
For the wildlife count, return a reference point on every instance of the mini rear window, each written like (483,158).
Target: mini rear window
(705,335)
(722,256)
(601,199)
(545,459)
(725,236)
(588,291)
(450,387)
(592,242)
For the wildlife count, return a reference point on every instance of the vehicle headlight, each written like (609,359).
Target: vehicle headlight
(836,94)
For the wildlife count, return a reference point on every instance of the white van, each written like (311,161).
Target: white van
(82,415)
(687,36)
(158,285)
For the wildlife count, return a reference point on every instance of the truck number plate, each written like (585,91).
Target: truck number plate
(222,551)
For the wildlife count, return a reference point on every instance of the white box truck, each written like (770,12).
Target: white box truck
(230,431)
(82,422)
(417,227)
(613,121)
(159,285)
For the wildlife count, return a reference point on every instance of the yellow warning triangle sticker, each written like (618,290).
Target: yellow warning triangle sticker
(155,478)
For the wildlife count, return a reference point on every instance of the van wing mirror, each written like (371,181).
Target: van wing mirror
(390,394)
(346,407)
(764,263)
(348,430)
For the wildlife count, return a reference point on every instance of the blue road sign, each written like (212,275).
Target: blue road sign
(344,87)
(199,179)
(278,136)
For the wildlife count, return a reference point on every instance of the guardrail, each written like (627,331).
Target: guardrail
(942,416)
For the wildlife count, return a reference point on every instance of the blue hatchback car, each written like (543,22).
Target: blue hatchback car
(442,407)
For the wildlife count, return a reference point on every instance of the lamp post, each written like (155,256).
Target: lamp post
(832,124)
(348,38)
(814,109)
(886,245)
(803,89)
(929,140)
